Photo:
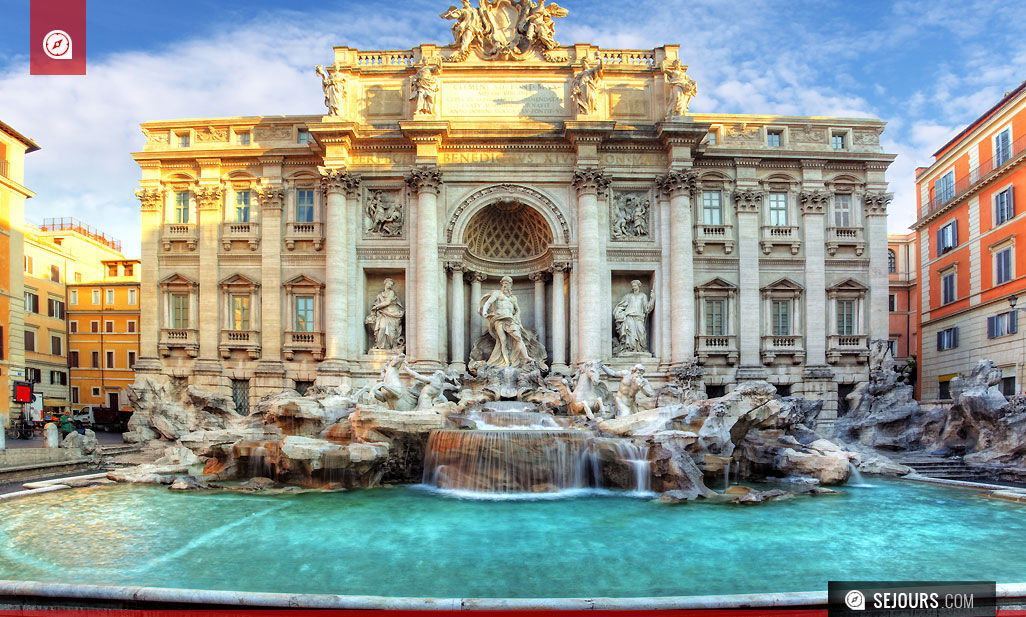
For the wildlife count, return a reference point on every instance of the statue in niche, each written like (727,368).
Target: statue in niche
(585,87)
(632,382)
(630,314)
(424,87)
(502,311)
(386,315)
(630,217)
(334,85)
(386,216)
(682,88)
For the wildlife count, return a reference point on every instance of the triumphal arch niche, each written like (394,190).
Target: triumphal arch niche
(444,182)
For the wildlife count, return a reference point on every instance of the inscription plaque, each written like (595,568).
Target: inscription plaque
(510,99)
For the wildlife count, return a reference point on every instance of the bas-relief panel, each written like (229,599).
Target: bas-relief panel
(384,213)
(630,215)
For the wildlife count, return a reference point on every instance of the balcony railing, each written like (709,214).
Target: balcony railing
(714,234)
(72,224)
(847,344)
(789,345)
(4,168)
(780,234)
(717,345)
(172,338)
(246,232)
(248,340)
(975,175)
(179,232)
(311,232)
(312,342)
(845,236)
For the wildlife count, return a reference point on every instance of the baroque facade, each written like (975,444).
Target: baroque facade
(757,243)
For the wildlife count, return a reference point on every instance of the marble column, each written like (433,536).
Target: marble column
(558,316)
(426,181)
(813,208)
(336,183)
(208,201)
(476,325)
(662,309)
(272,200)
(748,203)
(876,225)
(680,185)
(149,292)
(539,304)
(457,327)
(589,183)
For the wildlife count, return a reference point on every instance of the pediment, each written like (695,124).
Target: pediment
(717,284)
(303,281)
(784,284)
(178,280)
(848,284)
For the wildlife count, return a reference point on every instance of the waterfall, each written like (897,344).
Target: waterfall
(508,461)
(855,478)
(514,420)
(726,475)
(636,457)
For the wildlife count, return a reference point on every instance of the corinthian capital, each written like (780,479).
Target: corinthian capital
(813,202)
(208,197)
(424,179)
(677,181)
(748,200)
(590,179)
(338,180)
(272,197)
(151,198)
(876,203)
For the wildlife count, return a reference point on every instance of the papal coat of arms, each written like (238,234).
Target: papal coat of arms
(505,29)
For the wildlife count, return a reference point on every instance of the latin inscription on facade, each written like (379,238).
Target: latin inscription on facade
(512,99)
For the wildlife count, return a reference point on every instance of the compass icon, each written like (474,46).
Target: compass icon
(57,45)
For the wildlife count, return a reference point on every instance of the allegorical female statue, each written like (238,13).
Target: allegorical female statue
(586,85)
(424,88)
(630,314)
(334,85)
(682,88)
(387,318)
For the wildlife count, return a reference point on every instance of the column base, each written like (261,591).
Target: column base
(332,374)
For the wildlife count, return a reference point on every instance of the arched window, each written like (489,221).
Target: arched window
(892,262)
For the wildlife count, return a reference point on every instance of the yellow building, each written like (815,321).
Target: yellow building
(103,333)
(13,148)
(56,253)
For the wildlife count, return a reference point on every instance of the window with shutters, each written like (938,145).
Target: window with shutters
(1002,146)
(55,308)
(944,187)
(31,303)
(1004,208)
(1002,324)
(73,359)
(947,237)
(94,326)
(948,287)
(55,273)
(56,346)
(30,340)
(110,359)
(108,326)
(947,339)
(95,359)
(1003,265)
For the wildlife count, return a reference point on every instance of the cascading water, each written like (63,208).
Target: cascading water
(635,456)
(855,478)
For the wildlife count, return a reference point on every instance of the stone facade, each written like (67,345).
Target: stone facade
(573,171)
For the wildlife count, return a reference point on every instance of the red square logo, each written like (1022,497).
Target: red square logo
(57,37)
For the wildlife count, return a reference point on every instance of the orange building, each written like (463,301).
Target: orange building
(103,336)
(13,148)
(969,263)
(902,303)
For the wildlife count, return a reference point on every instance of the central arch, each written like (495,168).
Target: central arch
(478,200)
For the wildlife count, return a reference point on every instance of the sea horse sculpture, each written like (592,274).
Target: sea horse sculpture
(585,397)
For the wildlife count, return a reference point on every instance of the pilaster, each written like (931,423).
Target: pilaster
(680,186)
(589,182)
(426,183)
(208,202)
(813,207)
(149,296)
(876,226)
(748,203)
(336,184)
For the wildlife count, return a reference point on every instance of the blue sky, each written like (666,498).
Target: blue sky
(927,68)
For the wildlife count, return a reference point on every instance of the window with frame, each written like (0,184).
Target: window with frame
(948,288)
(108,327)
(131,326)
(781,317)
(131,359)
(242,138)
(1002,324)
(181,207)
(31,303)
(303,136)
(947,237)
(778,209)
(30,340)
(56,346)
(58,378)
(1008,386)
(96,392)
(55,308)
(29,268)
(132,297)
(96,297)
(944,187)
(892,346)
(715,317)
(110,296)
(74,394)
(110,359)
(710,138)
(179,311)
(242,202)
(183,140)
(95,359)
(712,208)
(73,296)
(304,313)
(305,206)
(1004,208)
(55,273)
(842,210)
(73,359)
(774,138)
(112,271)
(1002,147)
(892,262)
(947,339)
(73,327)
(1003,266)
(128,269)
(846,317)
(239,319)
(892,302)
(33,374)
(837,141)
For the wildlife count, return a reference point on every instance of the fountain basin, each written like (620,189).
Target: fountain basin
(405,542)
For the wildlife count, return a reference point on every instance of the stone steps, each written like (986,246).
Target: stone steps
(119,449)
(953,468)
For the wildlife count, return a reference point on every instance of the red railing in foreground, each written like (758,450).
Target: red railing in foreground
(68,223)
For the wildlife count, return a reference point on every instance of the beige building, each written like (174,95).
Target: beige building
(56,253)
(267,241)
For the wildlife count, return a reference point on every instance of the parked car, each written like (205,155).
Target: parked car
(102,418)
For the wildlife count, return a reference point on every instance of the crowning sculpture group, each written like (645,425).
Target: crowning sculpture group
(508,356)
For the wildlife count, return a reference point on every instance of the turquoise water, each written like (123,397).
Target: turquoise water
(411,542)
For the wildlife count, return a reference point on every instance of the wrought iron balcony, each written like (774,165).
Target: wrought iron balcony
(976,176)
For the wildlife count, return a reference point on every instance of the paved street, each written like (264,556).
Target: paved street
(105,439)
